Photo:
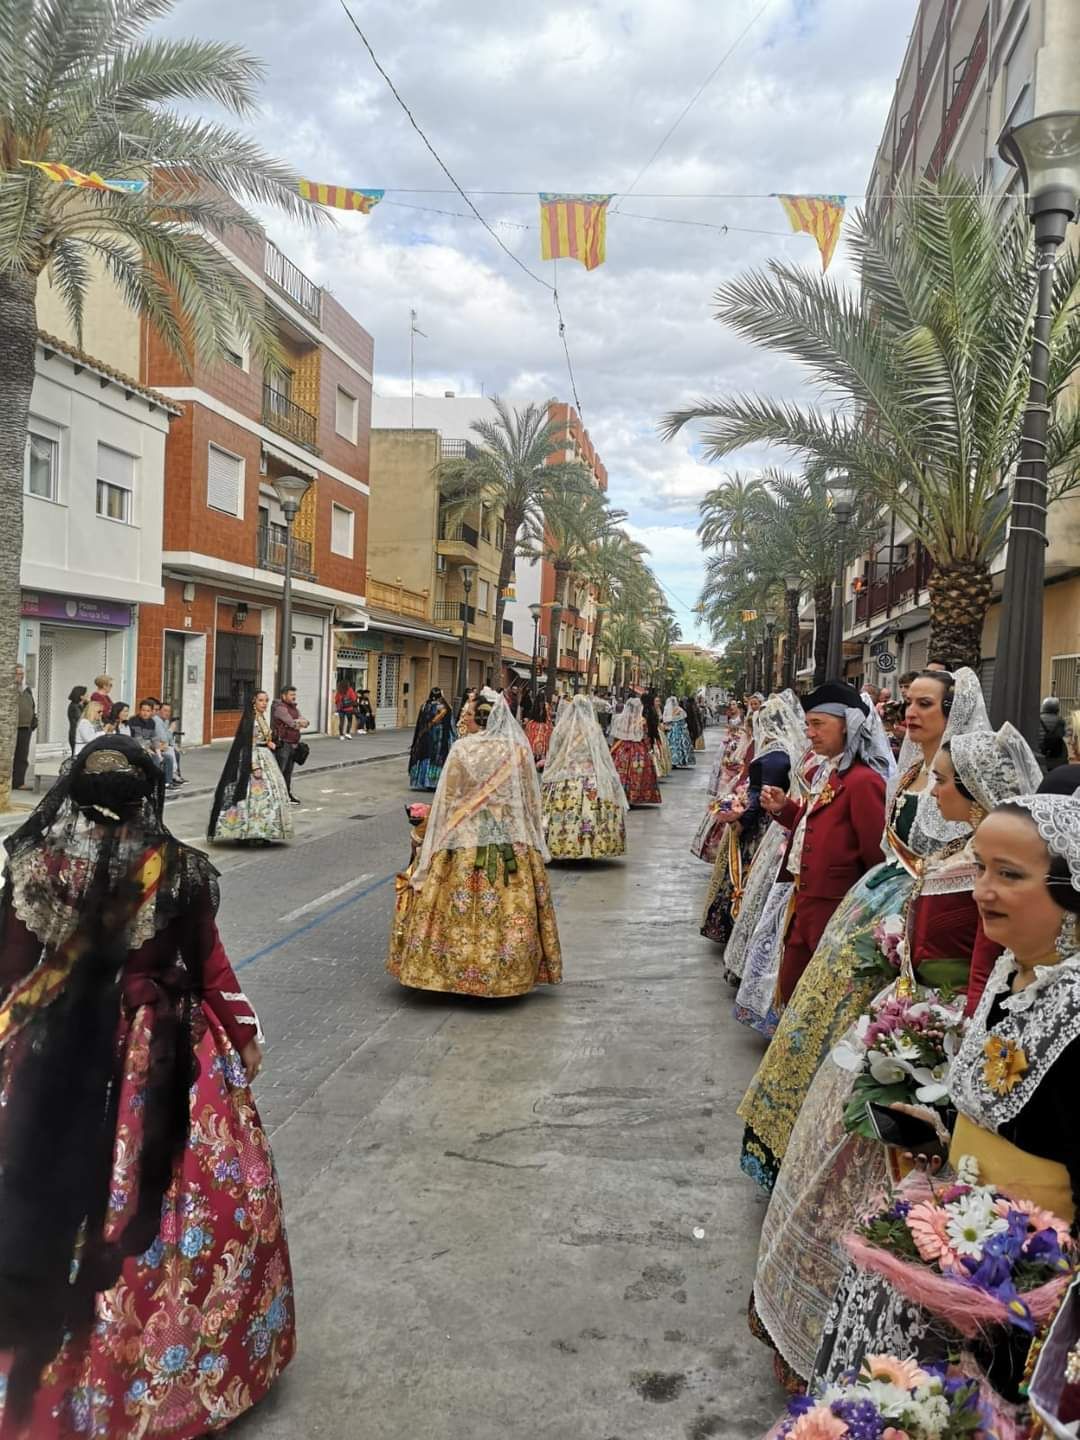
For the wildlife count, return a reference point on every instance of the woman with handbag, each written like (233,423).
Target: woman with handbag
(345,705)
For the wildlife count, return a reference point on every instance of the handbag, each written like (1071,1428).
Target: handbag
(301,751)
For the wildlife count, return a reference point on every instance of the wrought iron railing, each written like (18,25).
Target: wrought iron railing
(457,450)
(459,531)
(272,542)
(291,281)
(289,419)
(454,610)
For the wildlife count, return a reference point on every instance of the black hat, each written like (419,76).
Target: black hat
(834,692)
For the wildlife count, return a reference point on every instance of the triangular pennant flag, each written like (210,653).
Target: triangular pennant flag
(818,215)
(340,197)
(574,227)
(65,175)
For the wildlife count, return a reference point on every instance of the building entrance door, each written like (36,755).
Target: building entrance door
(386,697)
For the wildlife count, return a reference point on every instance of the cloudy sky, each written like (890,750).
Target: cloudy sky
(541,95)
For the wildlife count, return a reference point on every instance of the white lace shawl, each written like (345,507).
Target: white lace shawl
(579,751)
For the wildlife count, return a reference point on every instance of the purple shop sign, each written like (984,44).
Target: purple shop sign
(73,610)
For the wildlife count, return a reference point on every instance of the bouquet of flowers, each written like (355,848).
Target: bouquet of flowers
(970,1254)
(889,1399)
(900,1051)
(881,950)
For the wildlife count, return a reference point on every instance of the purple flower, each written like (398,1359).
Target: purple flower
(1044,1245)
(862,1418)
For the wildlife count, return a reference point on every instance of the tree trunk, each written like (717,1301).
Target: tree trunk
(959,599)
(562,578)
(594,654)
(18,327)
(506,567)
(823,601)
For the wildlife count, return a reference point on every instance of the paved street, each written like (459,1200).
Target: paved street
(492,1206)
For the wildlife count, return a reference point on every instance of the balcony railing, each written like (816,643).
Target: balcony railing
(457,450)
(965,76)
(291,281)
(271,555)
(454,610)
(460,531)
(883,594)
(289,419)
(397,598)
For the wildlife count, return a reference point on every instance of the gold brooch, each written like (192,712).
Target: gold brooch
(1005,1064)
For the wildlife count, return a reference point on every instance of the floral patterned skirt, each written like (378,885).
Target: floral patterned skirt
(682,750)
(538,734)
(473,932)
(198,1328)
(661,754)
(634,762)
(265,813)
(579,825)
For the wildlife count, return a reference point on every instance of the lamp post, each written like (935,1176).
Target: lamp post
(625,657)
(535,611)
(770,625)
(1046,151)
(594,648)
(463,662)
(792,586)
(843,507)
(290,491)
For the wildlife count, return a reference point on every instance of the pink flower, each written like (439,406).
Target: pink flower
(818,1424)
(1038,1217)
(927,1224)
(893,1434)
(906,1374)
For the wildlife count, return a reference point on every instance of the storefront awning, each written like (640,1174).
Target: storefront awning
(351,618)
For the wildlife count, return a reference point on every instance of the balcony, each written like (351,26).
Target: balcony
(457,540)
(397,598)
(271,552)
(281,414)
(291,281)
(454,610)
(458,450)
(896,592)
(965,76)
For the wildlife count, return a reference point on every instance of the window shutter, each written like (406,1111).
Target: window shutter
(223,474)
(346,414)
(115,467)
(341,539)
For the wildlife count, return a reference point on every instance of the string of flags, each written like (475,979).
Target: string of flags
(65,175)
(574,227)
(340,197)
(818,215)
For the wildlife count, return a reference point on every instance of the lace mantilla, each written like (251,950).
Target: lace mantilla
(1040,1022)
(1058,819)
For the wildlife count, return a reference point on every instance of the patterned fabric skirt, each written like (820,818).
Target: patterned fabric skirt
(265,813)
(757,1003)
(827,1001)
(477,926)
(579,825)
(709,834)
(636,770)
(682,751)
(538,734)
(424,775)
(757,887)
(198,1328)
(661,753)
(723,901)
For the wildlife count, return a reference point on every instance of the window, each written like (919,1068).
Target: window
(41,471)
(237,349)
(500,534)
(115,482)
(224,481)
(483,596)
(341,530)
(237,669)
(345,421)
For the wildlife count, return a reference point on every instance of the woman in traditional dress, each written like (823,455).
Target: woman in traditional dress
(779,742)
(583,798)
(632,755)
(652,711)
(432,738)
(145,1287)
(251,804)
(829,1177)
(480,920)
(678,735)
(694,722)
(729,758)
(732,766)
(538,728)
(1014,1080)
(830,995)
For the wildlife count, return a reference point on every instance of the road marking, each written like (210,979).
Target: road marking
(313,924)
(322,899)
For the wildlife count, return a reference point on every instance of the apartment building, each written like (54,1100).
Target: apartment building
(215,637)
(971,68)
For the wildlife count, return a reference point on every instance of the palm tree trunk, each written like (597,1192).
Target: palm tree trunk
(506,567)
(959,599)
(823,602)
(594,652)
(562,578)
(18,326)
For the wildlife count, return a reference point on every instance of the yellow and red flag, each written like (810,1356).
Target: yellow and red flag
(340,197)
(574,227)
(65,175)
(818,215)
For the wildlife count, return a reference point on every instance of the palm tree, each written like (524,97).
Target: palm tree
(926,374)
(616,570)
(623,633)
(726,512)
(665,632)
(515,472)
(81,85)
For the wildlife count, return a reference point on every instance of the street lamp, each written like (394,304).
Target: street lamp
(598,626)
(770,625)
(843,507)
(792,586)
(625,657)
(290,491)
(467,572)
(1046,151)
(535,611)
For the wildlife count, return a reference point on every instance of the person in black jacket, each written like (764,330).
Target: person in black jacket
(1052,745)
(76,702)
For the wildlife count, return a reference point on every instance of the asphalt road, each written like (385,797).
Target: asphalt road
(520,1218)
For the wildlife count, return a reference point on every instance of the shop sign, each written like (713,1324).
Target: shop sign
(886,662)
(73,610)
(359,640)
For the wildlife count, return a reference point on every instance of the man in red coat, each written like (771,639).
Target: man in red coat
(836,834)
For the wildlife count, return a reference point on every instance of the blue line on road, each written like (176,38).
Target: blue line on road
(311,924)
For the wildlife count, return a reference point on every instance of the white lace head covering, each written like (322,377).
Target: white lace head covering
(488,793)
(1057,818)
(777,728)
(578,751)
(629,723)
(994,767)
(967,715)
(673,710)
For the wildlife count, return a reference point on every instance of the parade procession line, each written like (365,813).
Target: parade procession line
(518,1218)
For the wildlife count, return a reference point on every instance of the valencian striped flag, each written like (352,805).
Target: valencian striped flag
(818,215)
(340,197)
(65,175)
(574,227)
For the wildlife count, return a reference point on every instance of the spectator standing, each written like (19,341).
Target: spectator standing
(89,727)
(26,722)
(1052,745)
(103,694)
(365,714)
(165,713)
(76,702)
(905,684)
(287,725)
(345,705)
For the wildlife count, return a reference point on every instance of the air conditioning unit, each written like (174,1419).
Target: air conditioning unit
(440,564)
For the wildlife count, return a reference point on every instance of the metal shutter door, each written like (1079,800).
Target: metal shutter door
(386,696)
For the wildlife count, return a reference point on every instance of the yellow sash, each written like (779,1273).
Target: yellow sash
(1024,1176)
